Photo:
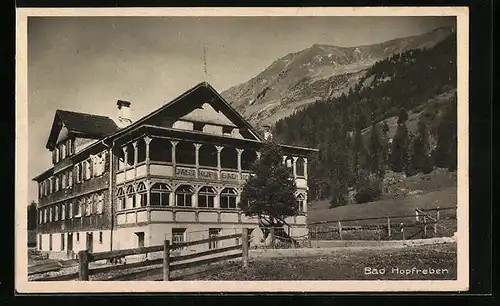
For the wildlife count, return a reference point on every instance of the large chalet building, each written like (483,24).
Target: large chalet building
(175,174)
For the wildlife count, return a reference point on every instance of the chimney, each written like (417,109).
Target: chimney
(124,118)
(268,135)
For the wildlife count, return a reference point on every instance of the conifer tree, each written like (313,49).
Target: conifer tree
(270,193)
(445,155)
(399,150)
(375,155)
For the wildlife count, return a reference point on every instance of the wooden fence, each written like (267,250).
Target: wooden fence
(168,261)
(392,227)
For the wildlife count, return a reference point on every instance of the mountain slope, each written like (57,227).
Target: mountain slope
(320,72)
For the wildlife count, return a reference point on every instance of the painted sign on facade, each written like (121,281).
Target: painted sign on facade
(208,174)
(229,176)
(185,172)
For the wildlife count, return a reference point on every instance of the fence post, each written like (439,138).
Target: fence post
(403,231)
(340,230)
(83,262)
(272,236)
(166,260)
(437,220)
(425,226)
(244,241)
(389,227)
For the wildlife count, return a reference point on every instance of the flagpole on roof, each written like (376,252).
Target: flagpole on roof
(205,60)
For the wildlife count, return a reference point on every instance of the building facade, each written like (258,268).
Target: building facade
(174,174)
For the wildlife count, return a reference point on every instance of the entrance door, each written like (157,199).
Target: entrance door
(90,242)
(70,243)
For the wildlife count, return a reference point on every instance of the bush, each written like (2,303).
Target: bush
(368,190)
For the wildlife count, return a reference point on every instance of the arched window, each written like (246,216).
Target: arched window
(300,202)
(208,156)
(130,196)
(142,194)
(120,194)
(228,198)
(160,195)
(299,165)
(289,162)
(184,195)
(248,157)
(229,158)
(206,197)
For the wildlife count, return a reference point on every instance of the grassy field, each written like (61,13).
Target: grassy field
(346,264)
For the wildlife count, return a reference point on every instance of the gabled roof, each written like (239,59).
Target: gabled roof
(177,101)
(87,125)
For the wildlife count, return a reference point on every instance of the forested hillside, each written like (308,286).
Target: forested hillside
(419,85)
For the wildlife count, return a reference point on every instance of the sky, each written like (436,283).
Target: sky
(86,64)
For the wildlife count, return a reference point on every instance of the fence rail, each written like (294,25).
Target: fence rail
(170,263)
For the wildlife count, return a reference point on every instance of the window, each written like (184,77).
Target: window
(63,151)
(228,198)
(88,206)
(227,130)
(184,195)
(70,178)
(160,195)
(142,194)
(121,199)
(40,242)
(57,154)
(300,166)
(87,169)
(50,214)
(62,241)
(130,196)
(63,211)
(56,213)
(100,237)
(63,181)
(213,233)
(206,197)
(46,215)
(300,202)
(79,173)
(178,235)
(77,237)
(79,207)
(140,239)
(56,183)
(50,242)
(40,217)
(70,208)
